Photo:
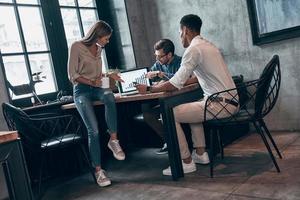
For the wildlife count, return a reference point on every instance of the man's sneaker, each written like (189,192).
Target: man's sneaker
(163,150)
(200,159)
(187,168)
(115,147)
(101,178)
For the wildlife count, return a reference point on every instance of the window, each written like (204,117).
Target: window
(35,36)
(24,48)
(122,32)
(78,17)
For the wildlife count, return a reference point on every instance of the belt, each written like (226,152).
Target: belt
(222,99)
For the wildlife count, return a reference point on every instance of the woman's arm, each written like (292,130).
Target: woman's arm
(94,83)
(73,63)
(115,77)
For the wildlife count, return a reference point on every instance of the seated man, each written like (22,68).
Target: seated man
(166,65)
(205,61)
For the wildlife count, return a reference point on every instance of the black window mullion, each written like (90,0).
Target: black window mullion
(57,42)
(23,43)
(79,18)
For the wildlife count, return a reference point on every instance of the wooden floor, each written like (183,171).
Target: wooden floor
(246,173)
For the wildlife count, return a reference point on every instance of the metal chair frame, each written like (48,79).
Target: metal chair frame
(44,132)
(262,95)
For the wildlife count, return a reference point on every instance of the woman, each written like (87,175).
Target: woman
(85,72)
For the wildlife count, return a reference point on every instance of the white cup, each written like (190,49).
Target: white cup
(105,82)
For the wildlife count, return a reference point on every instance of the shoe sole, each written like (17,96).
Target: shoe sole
(202,163)
(195,159)
(161,153)
(116,157)
(185,172)
(107,183)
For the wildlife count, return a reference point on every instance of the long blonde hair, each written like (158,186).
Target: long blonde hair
(99,29)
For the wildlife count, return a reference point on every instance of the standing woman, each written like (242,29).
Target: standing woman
(85,72)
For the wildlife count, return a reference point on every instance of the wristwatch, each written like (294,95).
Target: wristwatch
(148,89)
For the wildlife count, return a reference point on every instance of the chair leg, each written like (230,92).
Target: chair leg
(40,178)
(220,144)
(262,123)
(211,152)
(267,145)
(88,162)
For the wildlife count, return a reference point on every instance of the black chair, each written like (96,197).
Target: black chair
(42,133)
(261,98)
(24,89)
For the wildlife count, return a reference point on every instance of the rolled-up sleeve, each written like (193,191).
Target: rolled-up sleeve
(73,63)
(188,64)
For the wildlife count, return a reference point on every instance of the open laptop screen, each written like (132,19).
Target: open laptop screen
(131,76)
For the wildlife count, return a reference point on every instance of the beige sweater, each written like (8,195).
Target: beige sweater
(83,63)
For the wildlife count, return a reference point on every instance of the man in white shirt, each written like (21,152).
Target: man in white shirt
(205,61)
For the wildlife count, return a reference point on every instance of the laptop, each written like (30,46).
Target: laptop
(137,75)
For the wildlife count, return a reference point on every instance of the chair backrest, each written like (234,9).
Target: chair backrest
(43,130)
(17,119)
(10,114)
(268,88)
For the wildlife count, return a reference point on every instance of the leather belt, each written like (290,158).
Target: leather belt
(222,99)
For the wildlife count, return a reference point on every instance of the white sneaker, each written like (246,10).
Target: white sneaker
(187,168)
(200,159)
(163,150)
(102,179)
(115,147)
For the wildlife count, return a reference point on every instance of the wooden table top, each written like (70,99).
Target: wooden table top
(7,136)
(140,97)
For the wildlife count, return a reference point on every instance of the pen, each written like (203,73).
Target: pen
(164,75)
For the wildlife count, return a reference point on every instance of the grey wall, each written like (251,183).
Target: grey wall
(3,190)
(226,24)
(3,98)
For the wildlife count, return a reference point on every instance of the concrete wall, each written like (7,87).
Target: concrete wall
(3,98)
(226,24)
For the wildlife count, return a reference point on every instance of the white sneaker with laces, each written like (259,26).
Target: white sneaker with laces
(163,150)
(102,179)
(187,168)
(200,159)
(115,147)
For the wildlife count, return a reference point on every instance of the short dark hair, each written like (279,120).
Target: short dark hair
(166,45)
(192,22)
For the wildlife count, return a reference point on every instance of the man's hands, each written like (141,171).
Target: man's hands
(154,74)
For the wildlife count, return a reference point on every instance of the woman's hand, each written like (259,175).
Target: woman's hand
(97,82)
(116,77)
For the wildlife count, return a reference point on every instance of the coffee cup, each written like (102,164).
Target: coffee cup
(105,82)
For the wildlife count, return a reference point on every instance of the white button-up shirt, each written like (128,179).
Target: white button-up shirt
(204,60)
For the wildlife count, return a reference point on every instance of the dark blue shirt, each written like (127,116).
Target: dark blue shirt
(169,69)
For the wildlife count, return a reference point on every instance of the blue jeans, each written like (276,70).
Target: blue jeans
(84,95)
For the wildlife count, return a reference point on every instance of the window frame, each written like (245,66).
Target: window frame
(58,48)
(24,52)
